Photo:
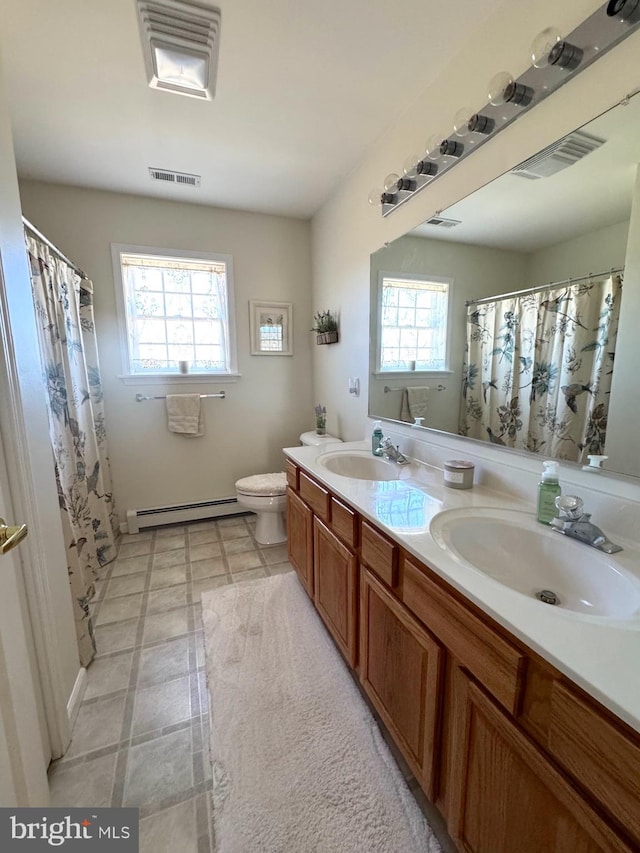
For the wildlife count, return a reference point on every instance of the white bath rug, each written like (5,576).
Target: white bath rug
(299,764)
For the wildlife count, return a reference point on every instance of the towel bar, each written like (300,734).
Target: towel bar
(386,388)
(141,397)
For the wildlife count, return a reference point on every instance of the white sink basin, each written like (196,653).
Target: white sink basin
(362,465)
(514,549)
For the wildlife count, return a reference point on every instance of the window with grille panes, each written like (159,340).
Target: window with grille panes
(178,307)
(413,323)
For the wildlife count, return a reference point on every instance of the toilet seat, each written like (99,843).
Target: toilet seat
(263,485)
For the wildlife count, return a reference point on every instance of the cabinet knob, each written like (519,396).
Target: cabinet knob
(11,535)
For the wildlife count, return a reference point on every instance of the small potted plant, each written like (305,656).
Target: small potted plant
(321,419)
(326,327)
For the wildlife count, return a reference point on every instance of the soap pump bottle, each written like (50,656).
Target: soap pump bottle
(376,438)
(548,490)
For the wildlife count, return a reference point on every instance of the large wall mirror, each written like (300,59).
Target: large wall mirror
(541,308)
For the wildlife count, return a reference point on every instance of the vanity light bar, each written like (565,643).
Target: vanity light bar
(512,97)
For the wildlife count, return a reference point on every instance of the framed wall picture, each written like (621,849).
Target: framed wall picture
(271,327)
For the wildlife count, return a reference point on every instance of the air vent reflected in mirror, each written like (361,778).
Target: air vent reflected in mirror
(170,177)
(558,156)
(442,222)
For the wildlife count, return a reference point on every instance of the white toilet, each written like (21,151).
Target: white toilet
(266,495)
(312,439)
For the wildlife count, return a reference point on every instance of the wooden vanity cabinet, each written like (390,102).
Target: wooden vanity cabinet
(506,797)
(335,579)
(400,671)
(300,539)
(515,756)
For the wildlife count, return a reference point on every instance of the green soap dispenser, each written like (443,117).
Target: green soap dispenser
(548,490)
(376,438)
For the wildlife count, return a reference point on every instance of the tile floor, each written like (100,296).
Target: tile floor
(141,737)
(142,733)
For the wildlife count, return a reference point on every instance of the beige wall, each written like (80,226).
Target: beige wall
(347,230)
(623,435)
(265,410)
(476,271)
(593,252)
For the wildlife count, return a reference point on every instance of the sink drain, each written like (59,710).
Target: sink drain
(548,596)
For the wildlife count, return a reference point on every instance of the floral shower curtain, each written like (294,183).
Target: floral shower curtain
(538,369)
(64,310)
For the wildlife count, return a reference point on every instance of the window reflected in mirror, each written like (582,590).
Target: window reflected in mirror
(413,323)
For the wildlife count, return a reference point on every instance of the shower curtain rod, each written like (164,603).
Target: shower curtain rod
(528,290)
(54,248)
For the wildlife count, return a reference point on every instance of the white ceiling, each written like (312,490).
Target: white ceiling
(303,90)
(524,215)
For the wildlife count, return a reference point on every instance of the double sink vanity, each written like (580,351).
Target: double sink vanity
(520,719)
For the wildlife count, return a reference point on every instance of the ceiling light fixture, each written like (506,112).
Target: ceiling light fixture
(180,42)
(510,97)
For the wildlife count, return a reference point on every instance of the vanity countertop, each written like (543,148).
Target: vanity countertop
(600,655)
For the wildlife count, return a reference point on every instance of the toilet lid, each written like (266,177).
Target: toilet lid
(263,484)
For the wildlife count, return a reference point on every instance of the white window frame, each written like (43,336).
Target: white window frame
(131,378)
(403,276)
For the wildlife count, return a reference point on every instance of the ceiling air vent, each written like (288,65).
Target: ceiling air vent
(442,222)
(180,41)
(558,156)
(170,177)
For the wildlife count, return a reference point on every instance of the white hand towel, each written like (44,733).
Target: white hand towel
(184,414)
(405,413)
(417,399)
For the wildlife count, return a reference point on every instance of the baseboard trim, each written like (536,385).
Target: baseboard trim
(77,695)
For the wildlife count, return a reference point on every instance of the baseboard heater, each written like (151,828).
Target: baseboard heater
(179,513)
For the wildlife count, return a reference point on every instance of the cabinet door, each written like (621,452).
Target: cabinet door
(335,588)
(400,671)
(506,797)
(300,539)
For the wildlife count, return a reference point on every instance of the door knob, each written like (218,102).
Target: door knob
(10,536)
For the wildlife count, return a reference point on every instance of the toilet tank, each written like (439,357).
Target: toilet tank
(312,439)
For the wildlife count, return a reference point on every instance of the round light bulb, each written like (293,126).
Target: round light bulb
(410,167)
(433,146)
(497,86)
(390,182)
(375,197)
(542,46)
(461,121)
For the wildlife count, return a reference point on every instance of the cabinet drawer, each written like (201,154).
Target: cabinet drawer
(597,754)
(318,498)
(498,665)
(292,475)
(379,554)
(344,522)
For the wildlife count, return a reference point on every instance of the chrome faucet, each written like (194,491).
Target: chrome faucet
(392,453)
(578,525)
